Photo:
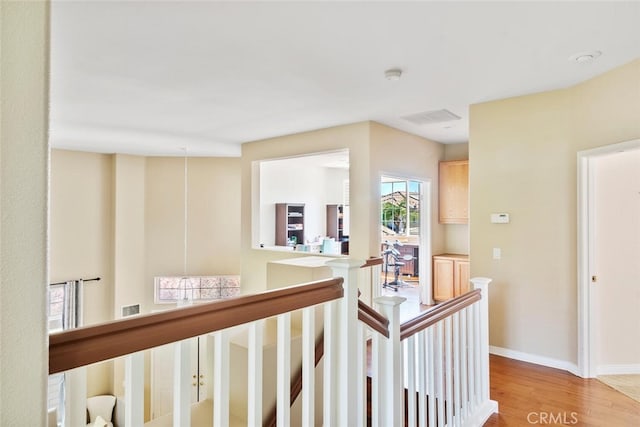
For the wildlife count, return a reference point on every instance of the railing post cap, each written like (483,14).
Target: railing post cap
(390,301)
(345,263)
(481,280)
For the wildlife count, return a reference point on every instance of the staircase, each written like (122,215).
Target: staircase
(440,357)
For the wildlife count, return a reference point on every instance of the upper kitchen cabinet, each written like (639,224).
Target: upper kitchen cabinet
(454,192)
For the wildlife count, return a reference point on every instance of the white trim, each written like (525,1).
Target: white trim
(587,364)
(618,369)
(482,414)
(534,358)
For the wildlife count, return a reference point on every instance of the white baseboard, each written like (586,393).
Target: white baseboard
(482,414)
(618,369)
(534,358)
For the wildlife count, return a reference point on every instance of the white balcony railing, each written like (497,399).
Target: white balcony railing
(439,360)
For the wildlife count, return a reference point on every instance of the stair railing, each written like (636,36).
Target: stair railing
(438,363)
(129,337)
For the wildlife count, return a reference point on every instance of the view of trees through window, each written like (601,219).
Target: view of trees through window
(400,207)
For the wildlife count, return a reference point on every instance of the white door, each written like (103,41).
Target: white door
(616,238)
(162,366)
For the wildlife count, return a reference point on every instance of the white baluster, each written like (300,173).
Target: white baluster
(456,368)
(283,405)
(308,365)
(410,369)
(439,371)
(330,363)
(134,389)
(75,397)
(182,384)
(377,398)
(391,364)
(362,375)
(477,358)
(448,371)
(348,335)
(431,379)
(220,379)
(423,362)
(471,352)
(464,380)
(254,371)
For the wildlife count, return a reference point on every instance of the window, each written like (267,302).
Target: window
(55,308)
(400,207)
(170,290)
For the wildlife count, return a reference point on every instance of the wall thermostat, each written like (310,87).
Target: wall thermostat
(499,218)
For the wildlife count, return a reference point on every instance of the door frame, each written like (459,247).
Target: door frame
(587,363)
(424,261)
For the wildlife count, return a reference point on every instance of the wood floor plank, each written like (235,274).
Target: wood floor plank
(529,394)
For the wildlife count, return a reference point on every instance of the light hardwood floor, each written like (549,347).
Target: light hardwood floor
(529,394)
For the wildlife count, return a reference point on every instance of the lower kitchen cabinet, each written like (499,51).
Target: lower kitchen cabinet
(450,276)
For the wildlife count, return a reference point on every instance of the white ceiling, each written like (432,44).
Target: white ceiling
(154,77)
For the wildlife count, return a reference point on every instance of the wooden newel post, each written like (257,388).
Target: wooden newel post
(389,392)
(346,352)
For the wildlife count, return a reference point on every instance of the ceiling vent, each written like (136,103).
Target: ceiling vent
(431,117)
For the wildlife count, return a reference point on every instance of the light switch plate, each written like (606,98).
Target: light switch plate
(497,253)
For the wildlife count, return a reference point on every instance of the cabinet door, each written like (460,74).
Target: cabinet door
(454,192)
(462,284)
(443,276)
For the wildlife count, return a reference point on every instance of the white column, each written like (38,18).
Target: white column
(134,389)
(482,283)
(390,364)
(75,397)
(347,345)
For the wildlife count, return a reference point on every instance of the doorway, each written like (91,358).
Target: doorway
(404,236)
(608,224)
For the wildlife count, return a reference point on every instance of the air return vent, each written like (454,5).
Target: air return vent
(130,310)
(431,117)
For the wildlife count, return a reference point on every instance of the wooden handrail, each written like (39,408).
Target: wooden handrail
(439,313)
(83,346)
(373,319)
(372,261)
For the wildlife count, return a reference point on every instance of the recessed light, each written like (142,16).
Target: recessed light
(393,74)
(584,57)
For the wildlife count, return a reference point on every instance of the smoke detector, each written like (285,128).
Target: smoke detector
(584,57)
(393,74)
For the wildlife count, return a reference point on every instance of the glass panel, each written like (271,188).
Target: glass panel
(393,207)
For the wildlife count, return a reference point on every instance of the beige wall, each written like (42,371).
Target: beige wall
(121,217)
(369,147)
(354,137)
(456,235)
(400,154)
(522,154)
(81,239)
(24,36)
(213,226)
